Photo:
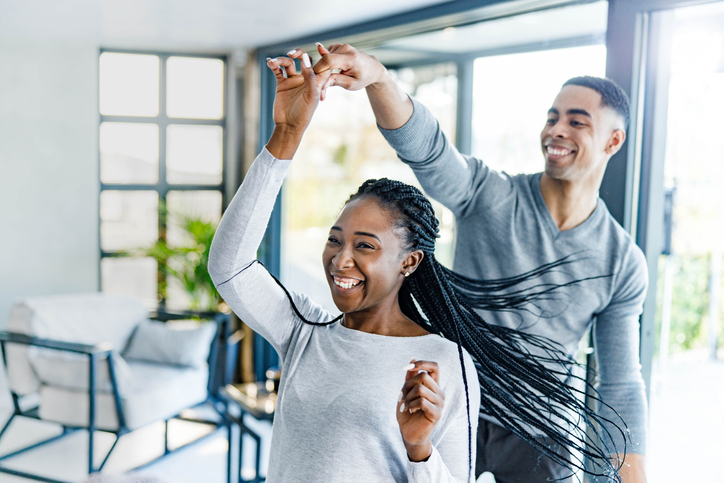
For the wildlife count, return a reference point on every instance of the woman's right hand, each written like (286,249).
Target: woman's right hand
(297,96)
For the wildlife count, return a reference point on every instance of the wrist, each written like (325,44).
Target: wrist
(383,80)
(419,452)
(284,141)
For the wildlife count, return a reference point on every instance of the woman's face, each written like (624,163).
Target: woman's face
(364,258)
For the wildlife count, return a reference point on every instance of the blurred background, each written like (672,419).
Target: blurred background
(126,127)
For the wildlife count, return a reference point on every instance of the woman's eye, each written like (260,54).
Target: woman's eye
(332,239)
(576,123)
(364,245)
(551,121)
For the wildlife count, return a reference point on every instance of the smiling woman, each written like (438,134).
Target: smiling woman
(375,394)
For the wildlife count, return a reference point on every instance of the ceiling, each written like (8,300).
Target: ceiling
(189,25)
(586,22)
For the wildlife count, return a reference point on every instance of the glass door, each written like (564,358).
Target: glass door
(686,420)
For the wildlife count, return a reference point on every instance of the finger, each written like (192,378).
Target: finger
(422,379)
(278,71)
(321,49)
(321,79)
(282,67)
(431,411)
(308,73)
(287,63)
(334,61)
(340,80)
(420,391)
(430,367)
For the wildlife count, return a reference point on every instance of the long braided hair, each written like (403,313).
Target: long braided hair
(521,375)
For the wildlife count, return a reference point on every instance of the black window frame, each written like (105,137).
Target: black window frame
(163,121)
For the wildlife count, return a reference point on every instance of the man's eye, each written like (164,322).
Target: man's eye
(364,245)
(551,121)
(576,123)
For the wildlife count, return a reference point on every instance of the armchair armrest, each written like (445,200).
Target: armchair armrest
(94,353)
(103,348)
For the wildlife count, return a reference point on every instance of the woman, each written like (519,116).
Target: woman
(376,394)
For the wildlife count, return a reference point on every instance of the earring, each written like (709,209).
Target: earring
(407,274)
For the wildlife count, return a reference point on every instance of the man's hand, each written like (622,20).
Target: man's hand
(349,68)
(352,69)
(633,470)
(420,408)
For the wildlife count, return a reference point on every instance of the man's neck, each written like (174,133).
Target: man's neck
(569,203)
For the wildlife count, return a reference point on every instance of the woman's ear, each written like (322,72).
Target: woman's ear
(411,262)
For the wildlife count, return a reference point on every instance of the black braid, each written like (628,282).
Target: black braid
(522,390)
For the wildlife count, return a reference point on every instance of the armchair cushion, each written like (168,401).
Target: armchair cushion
(71,371)
(159,392)
(180,343)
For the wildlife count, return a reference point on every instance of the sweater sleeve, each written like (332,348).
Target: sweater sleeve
(462,183)
(616,339)
(245,285)
(453,458)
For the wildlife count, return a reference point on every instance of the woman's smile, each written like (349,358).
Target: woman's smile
(346,284)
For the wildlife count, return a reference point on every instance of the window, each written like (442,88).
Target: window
(511,97)
(161,142)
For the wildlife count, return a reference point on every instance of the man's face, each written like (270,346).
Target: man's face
(580,136)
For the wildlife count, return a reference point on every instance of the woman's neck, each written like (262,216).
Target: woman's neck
(391,323)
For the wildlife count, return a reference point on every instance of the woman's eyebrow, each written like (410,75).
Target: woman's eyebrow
(363,233)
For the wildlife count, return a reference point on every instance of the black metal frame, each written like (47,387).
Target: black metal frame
(219,375)
(232,420)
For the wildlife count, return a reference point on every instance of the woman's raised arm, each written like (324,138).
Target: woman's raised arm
(245,285)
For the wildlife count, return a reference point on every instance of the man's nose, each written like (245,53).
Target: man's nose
(558,130)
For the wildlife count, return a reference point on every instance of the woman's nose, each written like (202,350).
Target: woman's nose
(343,259)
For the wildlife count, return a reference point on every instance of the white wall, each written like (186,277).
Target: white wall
(48,169)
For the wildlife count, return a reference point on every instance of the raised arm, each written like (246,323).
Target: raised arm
(245,285)
(453,179)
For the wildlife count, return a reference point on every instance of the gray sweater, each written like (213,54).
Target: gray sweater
(335,419)
(504,228)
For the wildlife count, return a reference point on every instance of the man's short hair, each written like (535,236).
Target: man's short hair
(611,94)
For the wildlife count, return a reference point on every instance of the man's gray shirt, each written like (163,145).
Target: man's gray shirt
(504,229)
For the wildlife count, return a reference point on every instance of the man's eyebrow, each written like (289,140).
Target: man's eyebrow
(553,110)
(582,112)
(336,228)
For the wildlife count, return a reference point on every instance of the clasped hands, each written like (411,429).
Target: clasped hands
(299,93)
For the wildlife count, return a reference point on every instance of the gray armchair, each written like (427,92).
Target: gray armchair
(96,362)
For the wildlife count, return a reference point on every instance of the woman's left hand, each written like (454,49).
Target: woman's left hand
(420,408)
(296,98)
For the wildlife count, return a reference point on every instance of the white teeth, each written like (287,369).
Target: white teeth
(346,284)
(558,152)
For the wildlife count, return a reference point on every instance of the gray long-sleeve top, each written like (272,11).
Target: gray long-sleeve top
(335,418)
(504,228)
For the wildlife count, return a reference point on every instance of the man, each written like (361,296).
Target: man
(509,225)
